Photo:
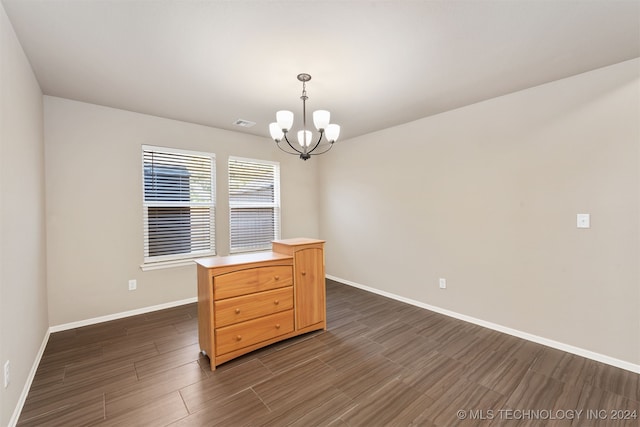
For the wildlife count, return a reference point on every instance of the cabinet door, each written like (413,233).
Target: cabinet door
(310,287)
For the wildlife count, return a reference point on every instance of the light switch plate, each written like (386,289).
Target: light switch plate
(583,221)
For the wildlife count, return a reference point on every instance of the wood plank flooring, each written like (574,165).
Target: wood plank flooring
(380,363)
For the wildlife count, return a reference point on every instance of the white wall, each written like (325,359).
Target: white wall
(486,196)
(94,205)
(23,292)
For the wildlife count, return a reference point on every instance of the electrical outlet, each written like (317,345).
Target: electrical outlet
(133,285)
(6,374)
(583,221)
(443,283)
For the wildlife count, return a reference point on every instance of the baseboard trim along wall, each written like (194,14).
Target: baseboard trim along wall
(516,333)
(115,316)
(27,385)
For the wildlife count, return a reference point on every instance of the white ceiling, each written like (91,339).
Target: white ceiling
(374,64)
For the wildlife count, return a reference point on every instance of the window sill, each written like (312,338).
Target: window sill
(166,264)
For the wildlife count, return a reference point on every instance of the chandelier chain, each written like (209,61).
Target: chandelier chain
(304,98)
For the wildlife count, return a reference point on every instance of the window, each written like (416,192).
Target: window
(179,204)
(254,204)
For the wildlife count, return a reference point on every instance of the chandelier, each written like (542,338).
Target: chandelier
(284,121)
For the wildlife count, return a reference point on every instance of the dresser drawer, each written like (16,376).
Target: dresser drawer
(234,310)
(251,280)
(244,334)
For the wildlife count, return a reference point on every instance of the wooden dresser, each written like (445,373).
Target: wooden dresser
(248,301)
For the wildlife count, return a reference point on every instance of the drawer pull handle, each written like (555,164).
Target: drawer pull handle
(277,277)
(277,325)
(237,311)
(238,338)
(304,273)
(276,302)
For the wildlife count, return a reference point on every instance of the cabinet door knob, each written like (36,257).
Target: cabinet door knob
(277,277)
(238,338)
(276,302)
(277,325)
(304,273)
(237,311)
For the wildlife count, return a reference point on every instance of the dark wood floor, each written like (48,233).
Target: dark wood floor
(380,363)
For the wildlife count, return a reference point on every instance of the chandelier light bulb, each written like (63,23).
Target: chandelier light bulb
(332,133)
(284,119)
(276,132)
(321,119)
(304,138)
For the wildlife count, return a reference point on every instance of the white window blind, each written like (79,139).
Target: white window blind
(179,204)
(254,204)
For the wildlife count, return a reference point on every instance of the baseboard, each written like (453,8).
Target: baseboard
(27,385)
(496,327)
(115,316)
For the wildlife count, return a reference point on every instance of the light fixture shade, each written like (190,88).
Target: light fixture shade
(332,132)
(321,119)
(301,138)
(276,132)
(284,119)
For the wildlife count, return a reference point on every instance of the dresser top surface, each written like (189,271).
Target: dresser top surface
(298,241)
(222,261)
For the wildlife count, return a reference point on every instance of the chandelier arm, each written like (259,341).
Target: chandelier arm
(292,147)
(282,149)
(322,152)
(317,143)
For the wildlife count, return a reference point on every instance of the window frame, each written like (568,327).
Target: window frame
(276,205)
(174,260)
